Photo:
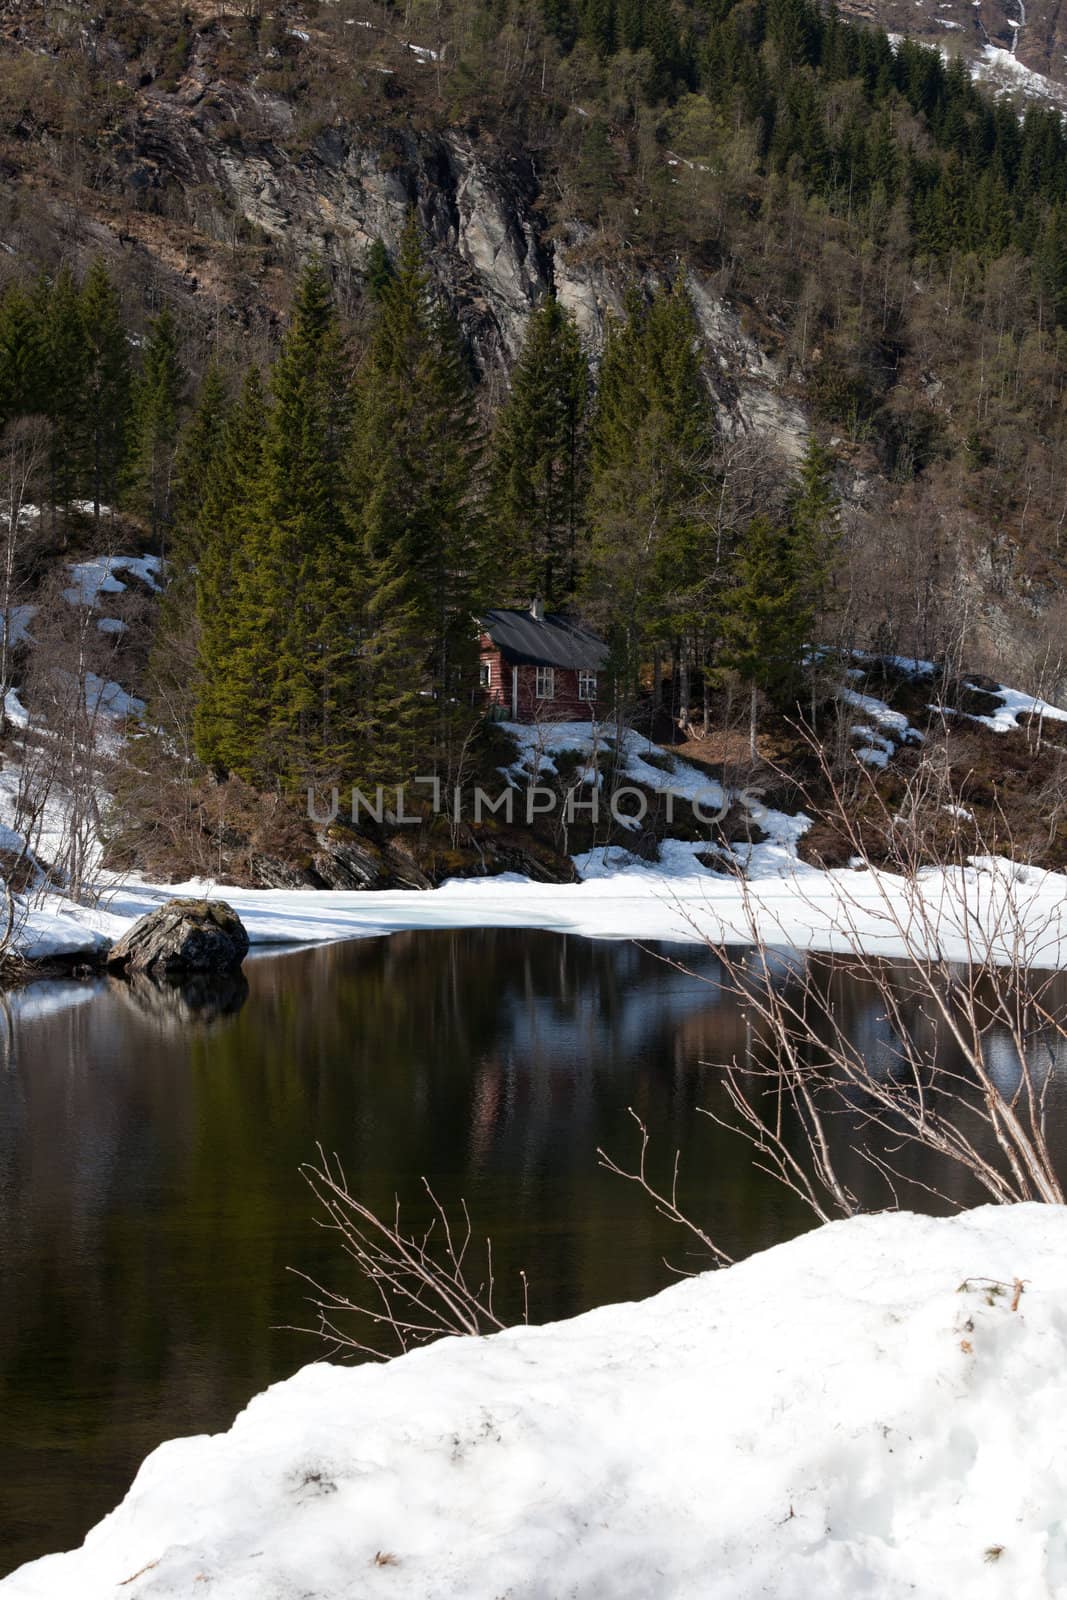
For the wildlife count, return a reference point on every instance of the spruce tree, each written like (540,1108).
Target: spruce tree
(66,368)
(539,464)
(767,619)
(303,589)
(157,400)
(200,448)
(1051,266)
(231,711)
(414,476)
(107,387)
(815,513)
(378,273)
(815,524)
(201,441)
(649,560)
(23,356)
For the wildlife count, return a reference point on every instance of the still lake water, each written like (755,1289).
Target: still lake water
(151,1202)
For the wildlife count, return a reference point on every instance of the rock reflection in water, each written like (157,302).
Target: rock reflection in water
(198,998)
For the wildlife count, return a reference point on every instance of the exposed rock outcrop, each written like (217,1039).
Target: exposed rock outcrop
(183,937)
(344,857)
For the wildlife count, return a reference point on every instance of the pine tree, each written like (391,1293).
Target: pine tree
(157,401)
(539,463)
(414,477)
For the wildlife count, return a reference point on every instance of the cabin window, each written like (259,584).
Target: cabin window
(587,685)
(546,683)
(485,674)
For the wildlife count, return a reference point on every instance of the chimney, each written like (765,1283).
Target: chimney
(537,610)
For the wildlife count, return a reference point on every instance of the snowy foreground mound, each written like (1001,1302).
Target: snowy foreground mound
(860,1412)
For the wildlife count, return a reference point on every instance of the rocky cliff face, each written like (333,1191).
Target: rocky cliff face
(207,186)
(493,257)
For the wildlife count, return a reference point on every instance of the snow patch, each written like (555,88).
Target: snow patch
(1014,705)
(109,699)
(19,618)
(93,578)
(877,747)
(14,710)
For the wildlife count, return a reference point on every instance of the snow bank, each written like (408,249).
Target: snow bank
(1003,719)
(912,666)
(859,1412)
(880,713)
(876,744)
(643,762)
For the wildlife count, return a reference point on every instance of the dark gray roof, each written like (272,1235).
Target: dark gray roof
(554,642)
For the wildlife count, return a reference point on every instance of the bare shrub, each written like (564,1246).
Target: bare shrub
(974,1030)
(420,1286)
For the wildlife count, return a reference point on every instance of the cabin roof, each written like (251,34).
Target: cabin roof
(551,641)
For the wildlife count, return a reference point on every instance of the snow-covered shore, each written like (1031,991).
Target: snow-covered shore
(873,1409)
(991,906)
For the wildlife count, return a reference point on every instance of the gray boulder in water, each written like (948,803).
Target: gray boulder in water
(183,936)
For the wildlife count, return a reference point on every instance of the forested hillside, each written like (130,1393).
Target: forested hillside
(735,326)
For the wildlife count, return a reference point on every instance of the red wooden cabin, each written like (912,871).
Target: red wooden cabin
(541,668)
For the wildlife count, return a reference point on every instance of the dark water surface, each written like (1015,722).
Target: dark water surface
(151,1204)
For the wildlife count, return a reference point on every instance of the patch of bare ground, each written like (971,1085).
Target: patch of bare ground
(979,790)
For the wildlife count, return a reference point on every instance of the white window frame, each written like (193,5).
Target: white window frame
(485,675)
(545,683)
(587,685)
